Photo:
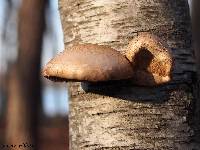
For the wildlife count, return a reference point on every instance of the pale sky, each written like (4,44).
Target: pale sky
(2,4)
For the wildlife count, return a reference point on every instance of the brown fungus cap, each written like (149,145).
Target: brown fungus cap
(151,60)
(88,62)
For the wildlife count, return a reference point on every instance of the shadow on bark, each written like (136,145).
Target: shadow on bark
(127,90)
(123,89)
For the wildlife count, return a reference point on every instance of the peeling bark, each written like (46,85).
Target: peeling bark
(121,115)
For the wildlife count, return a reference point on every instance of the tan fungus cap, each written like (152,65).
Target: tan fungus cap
(88,62)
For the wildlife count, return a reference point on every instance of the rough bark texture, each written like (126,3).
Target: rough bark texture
(24,85)
(121,115)
(196,30)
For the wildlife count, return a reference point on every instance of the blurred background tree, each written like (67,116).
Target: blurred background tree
(21,48)
(24,92)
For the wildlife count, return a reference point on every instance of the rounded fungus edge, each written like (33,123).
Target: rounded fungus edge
(88,62)
(151,60)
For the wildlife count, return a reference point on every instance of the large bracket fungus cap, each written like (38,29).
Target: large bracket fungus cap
(88,62)
(151,60)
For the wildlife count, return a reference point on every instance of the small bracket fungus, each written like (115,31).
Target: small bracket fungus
(151,60)
(88,62)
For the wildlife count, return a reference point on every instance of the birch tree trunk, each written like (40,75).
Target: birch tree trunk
(121,115)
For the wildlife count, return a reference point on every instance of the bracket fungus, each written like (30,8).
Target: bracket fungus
(151,60)
(88,62)
(147,62)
